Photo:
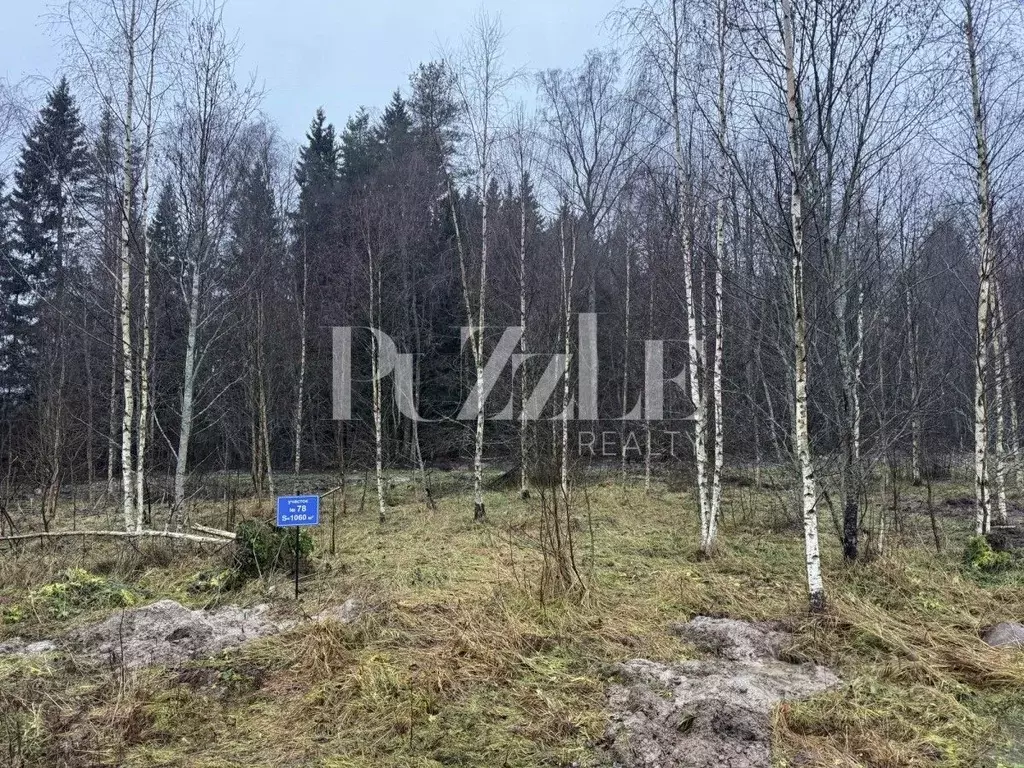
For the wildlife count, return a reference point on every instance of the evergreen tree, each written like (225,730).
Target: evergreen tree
(258,249)
(167,250)
(315,237)
(393,133)
(317,177)
(358,144)
(166,240)
(256,234)
(316,173)
(435,113)
(51,189)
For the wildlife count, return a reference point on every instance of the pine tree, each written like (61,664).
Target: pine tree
(167,251)
(435,113)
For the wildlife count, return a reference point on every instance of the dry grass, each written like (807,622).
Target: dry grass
(459,662)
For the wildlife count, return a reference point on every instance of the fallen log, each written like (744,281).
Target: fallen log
(118,535)
(213,531)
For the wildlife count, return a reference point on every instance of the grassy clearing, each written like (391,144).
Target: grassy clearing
(458,661)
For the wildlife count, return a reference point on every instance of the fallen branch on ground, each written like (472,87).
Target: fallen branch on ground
(118,535)
(213,531)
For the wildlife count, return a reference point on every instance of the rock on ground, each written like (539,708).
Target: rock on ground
(345,613)
(1009,634)
(708,714)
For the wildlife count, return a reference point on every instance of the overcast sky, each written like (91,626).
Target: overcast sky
(341,53)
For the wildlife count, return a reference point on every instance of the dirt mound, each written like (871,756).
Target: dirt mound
(734,640)
(166,632)
(18,647)
(708,714)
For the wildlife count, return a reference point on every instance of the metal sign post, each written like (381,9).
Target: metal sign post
(296,512)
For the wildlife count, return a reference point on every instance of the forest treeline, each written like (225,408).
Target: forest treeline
(814,204)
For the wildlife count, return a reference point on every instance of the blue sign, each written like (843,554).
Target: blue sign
(297,510)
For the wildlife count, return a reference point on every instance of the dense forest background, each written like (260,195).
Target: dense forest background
(171,271)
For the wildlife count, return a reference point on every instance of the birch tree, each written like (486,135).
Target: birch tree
(521,147)
(120,43)
(992,86)
(479,82)
(668,50)
(211,110)
(801,427)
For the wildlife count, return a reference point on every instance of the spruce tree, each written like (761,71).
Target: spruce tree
(317,171)
(358,155)
(393,134)
(51,190)
(315,236)
(166,241)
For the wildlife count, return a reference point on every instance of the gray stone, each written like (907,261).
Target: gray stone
(1009,634)
(345,613)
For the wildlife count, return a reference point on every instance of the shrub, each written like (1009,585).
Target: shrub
(261,548)
(78,590)
(215,580)
(12,615)
(980,556)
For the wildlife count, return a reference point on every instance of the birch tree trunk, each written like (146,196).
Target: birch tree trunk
(915,385)
(568,271)
(714,511)
(986,275)
(145,353)
(1002,513)
(524,424)
(815,585)
(125,295)
(1008,383)
(378,437)
(90,423)
(625,364)
(684,231)
(118,38)
(113,433)
(479,513)
(187,391)
(647,415)
(300,392)
(211,112)
(479,82)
